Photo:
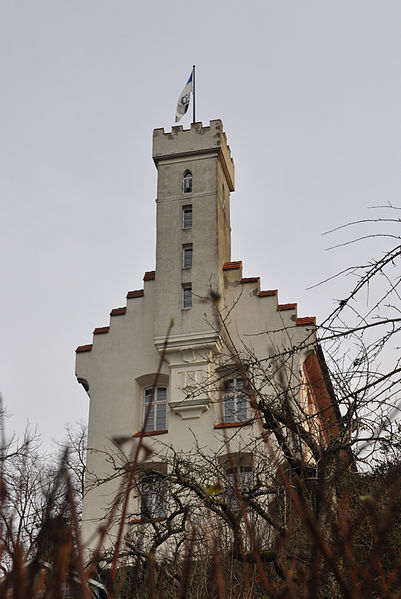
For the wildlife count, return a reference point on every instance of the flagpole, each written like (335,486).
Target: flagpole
(193,93)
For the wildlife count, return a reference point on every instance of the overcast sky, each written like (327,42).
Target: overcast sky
(309,93)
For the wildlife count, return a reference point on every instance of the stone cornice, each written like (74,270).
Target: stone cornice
(190,408)
(205,340)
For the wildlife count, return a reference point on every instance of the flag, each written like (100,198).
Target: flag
(184,99)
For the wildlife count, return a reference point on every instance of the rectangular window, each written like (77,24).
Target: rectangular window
(235,401)
(187,296)
(240,479)
(187,256)
(153,497)
(187,217)
(155,406)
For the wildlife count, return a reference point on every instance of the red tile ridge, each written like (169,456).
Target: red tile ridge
(101,330)
(136,293)
(118,311)
(306,320)
(250,280)
(83,348)
(149,275)
(286,307)
(232,265)
(268,293)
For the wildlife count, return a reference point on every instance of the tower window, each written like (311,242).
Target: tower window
(187,256)
(187,217)
(235,404)
(187,296)
(187,182)
(154,413)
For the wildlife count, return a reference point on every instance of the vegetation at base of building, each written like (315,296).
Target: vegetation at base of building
(325,529)
(357,554)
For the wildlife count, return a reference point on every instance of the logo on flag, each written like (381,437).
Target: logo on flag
(184,99)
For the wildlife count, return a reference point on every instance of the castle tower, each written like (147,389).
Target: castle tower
(195,178)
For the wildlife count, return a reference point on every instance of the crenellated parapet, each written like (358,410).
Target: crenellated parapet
(193,142)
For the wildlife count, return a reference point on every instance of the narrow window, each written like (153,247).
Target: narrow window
(187,256)
(187,217)
(187,182)
(154,414)
(153,497)
(235,404)
(240,479)
(187,296)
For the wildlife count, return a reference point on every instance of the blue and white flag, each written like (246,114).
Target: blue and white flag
(184,99)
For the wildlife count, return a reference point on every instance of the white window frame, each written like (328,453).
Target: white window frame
(187,255)
(187,298)
(155,409)
(186,211)
(153,497)
(187,182)
(235,404)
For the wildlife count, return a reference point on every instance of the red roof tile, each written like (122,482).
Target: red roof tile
(118,311)
(232,265)
(101,330)
(268,293)
(286,307)
(306,320)
(136,293)
(250,280)
(149,275)
(83,348)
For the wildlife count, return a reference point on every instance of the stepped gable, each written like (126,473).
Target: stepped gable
(83,348)
(232,265)
(148,276)
(268,293)
(283,307)
(118,311)
(301,321)
(136,293)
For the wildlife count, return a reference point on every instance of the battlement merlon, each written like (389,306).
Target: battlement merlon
(194,141)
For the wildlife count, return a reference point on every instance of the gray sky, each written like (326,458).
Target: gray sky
(309,93)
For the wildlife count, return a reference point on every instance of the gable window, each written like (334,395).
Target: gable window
(187,182)
(153,494)
(187,217)
(155,407)
(187,296)
(187,256)
(240,479)
(235,401)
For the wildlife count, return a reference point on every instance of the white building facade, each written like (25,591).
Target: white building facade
(184,384)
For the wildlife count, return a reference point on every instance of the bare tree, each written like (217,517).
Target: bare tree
(29,490)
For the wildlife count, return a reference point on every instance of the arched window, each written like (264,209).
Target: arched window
(187,182)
